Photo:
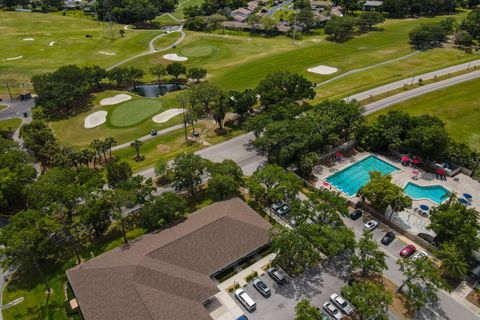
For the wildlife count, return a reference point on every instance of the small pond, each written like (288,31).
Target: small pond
(155,90)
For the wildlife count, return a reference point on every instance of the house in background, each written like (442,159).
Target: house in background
(373,6)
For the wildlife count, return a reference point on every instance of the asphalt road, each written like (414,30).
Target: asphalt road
(408,81)
(16,109)
(387,102)
(447,308)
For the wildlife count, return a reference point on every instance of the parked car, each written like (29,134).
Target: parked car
(408,250)
(276,275)
(332,311)
(277,205)
(245,300)
(355,215)
(371,225)
(323,315)
(429,238)
(242,317)
(342,304)
(283,209)
(420,254)
(388,238)
(262,287)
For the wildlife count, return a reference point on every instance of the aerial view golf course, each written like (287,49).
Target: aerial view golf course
(125,93)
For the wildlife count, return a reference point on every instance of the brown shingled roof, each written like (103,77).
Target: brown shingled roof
(166,275)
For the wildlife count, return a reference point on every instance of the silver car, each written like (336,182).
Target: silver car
(332,311)
(371,225)
(342,304)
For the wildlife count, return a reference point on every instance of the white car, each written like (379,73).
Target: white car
(371,225)
(332,311)
(245,300)
(420,254)
(342,304)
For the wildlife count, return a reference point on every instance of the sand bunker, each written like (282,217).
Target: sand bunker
(119,98)
(51,43)
(14,58)
(95,119)
(323,70)
(28,39)
(107,53)
(174,57)
(166,115)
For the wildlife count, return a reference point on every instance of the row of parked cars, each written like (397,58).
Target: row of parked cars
(337,308)
(246,301)
(389,237)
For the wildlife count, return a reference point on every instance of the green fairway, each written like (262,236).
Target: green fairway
(131,121)
(235,60)
(2,107)
(458,106)
(27,40)
(133,112)
(178,13)
(10,124)
(166,40)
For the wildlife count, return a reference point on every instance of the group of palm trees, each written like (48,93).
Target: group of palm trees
(100,147)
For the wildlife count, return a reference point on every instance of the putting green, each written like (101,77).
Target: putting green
(133,112)
(196,51)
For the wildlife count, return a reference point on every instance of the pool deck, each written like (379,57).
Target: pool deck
(408,219)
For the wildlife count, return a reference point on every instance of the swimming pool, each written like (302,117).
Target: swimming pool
(355,176)
(435,193)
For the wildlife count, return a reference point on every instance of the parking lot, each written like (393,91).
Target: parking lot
(316,285)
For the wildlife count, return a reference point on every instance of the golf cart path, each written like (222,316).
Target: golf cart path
(152,49)
(149,136)
(366,68)
(389,101)
(426,76)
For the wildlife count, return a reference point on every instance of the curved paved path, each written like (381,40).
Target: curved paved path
(152,49)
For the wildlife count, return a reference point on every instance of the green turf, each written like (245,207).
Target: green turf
(71,132)
(458,106)
(10,124)
(167,40)
(133,112)
(2,107)
(178,13)
(71,46)
(166,20)
(239,61)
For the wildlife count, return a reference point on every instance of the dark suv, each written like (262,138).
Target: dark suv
(276,275)
(356,214)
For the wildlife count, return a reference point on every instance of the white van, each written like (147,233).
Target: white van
(245,300)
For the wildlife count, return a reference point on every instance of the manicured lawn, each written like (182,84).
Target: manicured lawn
(458,106)
(166,40)
(71,45)
(166,20)
(235,60)
(178,13)
(10,124)
(132,112)
(132,120)
(168,146)
(2,107)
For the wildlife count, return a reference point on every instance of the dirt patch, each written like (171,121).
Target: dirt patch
(162,148)
(400,305)
(474,297)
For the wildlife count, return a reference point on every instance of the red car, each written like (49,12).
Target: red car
(408,251)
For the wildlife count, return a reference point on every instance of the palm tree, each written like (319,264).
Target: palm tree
(97,145)
(137,144)
(110,142)
(454,264)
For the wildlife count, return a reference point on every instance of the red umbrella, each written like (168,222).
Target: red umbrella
(415,172)
(417,161)
(338,154)
(326,184)
(405,159)
(440,171)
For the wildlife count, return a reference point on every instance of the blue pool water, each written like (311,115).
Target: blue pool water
(352,178)
(436,193)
